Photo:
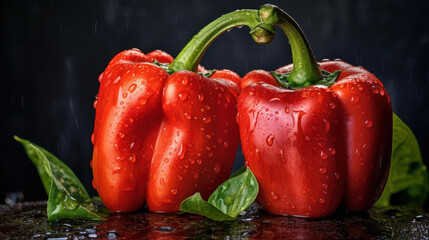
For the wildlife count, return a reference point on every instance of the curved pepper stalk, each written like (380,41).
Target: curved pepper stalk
(159,138)
(319,137)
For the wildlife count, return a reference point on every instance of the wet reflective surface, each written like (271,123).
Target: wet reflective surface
(28,220)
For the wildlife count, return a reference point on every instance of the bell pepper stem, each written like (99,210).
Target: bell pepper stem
(305,69)
(190,56)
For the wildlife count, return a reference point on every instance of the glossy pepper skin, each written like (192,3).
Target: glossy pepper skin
(159,137)
(316,147)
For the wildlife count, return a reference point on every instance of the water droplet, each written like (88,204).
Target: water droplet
(358,153)
(143,101)
(322,170)
(332,105)
(174,191)
(207,119)
(325,186)
(180,177)
(337,175)
(332,151)
(381,92)
(185,81)
(199,161)
(270,139)
(121,103)
(225,144)
(210,154)
(117,80)
(274,99)
(182,151)
(201,98)
(307,138)
(132,158)
(124,95)
(209,136)
(121,134)
(183,96)
(216,169)
(368,123)
(375,90)
(112,235)
(287,110)
(162,182)
(323,155)
(327,125)
(166,160)
(92,138)
(359,87)
(132,87)
(354,99)
(116,170)
(274,196)
(322,200)
(187,116)
(95,103)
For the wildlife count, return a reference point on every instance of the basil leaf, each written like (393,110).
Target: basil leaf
(197,205)
(227,201)
(67,198)
(236,194)
(408,182)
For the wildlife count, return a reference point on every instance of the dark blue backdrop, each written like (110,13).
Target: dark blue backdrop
(52,53)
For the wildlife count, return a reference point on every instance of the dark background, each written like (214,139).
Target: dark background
(52,53)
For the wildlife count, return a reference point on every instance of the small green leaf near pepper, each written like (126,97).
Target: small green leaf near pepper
(67,198)
(408,183)
(227,201)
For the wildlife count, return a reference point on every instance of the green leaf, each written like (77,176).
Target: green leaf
(408,182)
(197,205)
(67,198)
(227,201)
(238,172)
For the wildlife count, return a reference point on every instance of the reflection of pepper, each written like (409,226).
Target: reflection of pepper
(159,138)
(314,138)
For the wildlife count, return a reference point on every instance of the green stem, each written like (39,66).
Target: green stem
(190,56)
(305,68)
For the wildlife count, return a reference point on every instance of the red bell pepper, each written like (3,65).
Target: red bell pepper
(316,135)
(159,138)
